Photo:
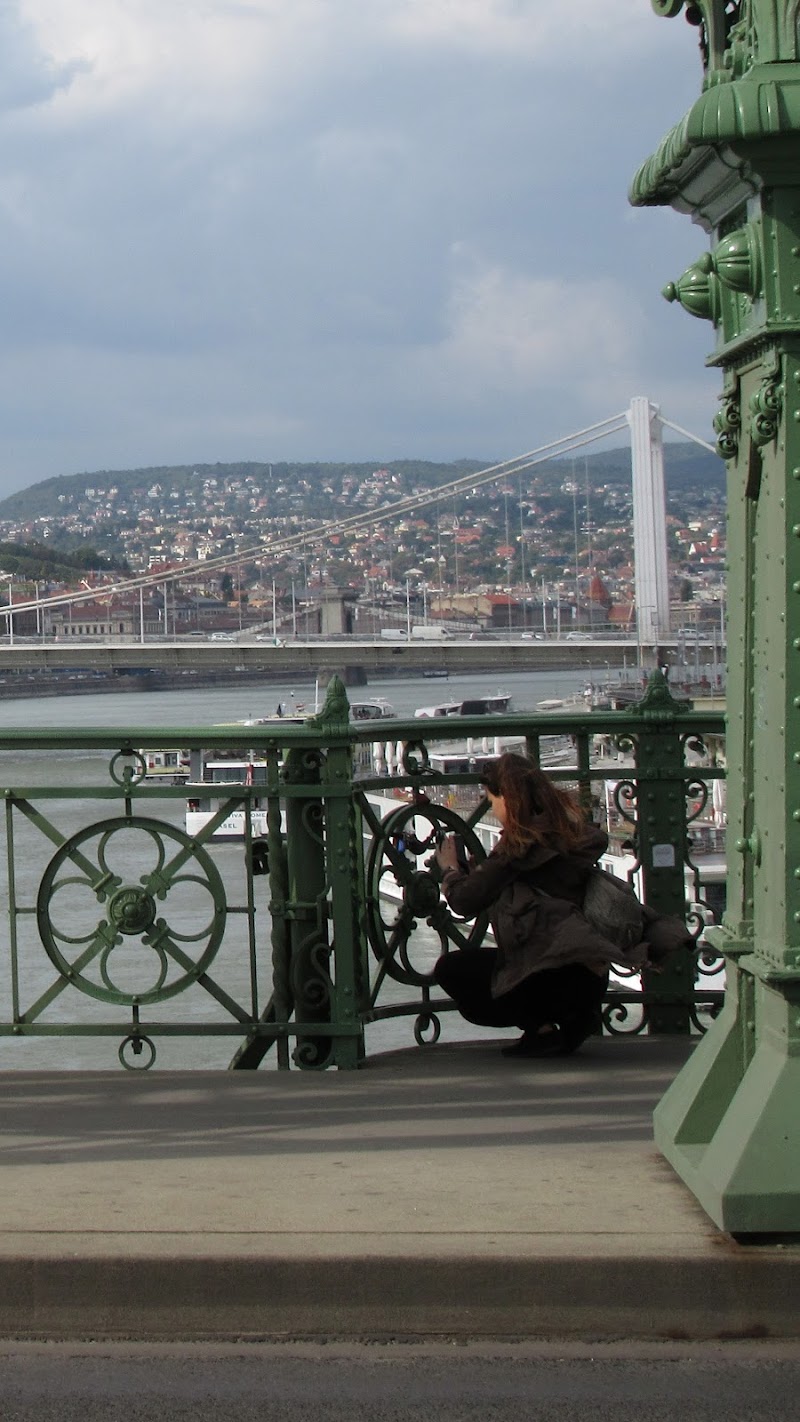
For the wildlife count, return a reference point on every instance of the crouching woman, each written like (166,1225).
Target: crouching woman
(548,972)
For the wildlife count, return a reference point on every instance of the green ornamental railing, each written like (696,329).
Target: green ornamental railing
(286,906)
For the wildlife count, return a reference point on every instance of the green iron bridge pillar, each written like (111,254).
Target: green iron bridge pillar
(728,1124)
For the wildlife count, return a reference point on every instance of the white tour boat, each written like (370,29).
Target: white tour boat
(251,769)
(204,798)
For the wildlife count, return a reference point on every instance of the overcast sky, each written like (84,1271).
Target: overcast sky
(334,229)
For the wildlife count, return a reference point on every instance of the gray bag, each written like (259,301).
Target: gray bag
(610,905)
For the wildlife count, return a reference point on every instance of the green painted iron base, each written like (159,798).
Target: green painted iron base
(728,1124)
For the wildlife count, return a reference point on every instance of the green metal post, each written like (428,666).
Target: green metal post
(661,846)
(308,903)
(728,1123)
(251,1053)
(345,868)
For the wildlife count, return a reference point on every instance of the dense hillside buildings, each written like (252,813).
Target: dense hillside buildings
(547,550)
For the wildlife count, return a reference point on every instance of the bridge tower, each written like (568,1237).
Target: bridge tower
(728,1124)
(649,523)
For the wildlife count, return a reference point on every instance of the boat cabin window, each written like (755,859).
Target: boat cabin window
(452,764)
(237,774)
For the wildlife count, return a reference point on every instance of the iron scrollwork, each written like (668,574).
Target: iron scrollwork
(403,887)
(624,1014)
(624,799)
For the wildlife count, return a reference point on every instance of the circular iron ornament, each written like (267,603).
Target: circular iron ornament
(702,1009)
(623,1016)
(311,1056)
(697,794)
(132,910)
(624,797)
(401,888)
(127,768)
(313,820)
(137,1042)
(175,946)
(626,974)
(427,1029)
(415,760)
(310,759)
(694,743)
(709,962)
(698,917)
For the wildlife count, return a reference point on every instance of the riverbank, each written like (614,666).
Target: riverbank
(21,685)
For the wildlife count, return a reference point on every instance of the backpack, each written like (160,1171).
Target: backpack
(610,905)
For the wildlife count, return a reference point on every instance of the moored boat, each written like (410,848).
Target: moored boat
(206,795)
(495,705)
(167,767)
(374,709)
(249,769)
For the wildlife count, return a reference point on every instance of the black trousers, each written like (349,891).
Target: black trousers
(557,995)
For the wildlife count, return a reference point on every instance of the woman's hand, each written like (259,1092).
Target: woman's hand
(446,854)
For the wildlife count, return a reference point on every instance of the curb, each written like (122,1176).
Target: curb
(741,1295)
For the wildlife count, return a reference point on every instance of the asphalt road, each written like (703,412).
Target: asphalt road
(443,1381)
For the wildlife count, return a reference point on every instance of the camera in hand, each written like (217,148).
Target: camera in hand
(461,852)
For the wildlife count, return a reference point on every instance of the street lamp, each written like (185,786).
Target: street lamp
(10,614)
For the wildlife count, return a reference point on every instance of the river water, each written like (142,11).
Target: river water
(210,705)
(72,911)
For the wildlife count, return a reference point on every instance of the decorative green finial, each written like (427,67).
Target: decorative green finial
(658,700)
(335,711)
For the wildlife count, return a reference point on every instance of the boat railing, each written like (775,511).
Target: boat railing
(300,915)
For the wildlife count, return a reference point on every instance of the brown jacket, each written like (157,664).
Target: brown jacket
(531,932)
(535,908)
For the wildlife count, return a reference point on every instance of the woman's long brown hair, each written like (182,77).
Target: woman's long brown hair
(537,810)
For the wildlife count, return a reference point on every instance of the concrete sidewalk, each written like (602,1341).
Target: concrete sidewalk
(445,1190)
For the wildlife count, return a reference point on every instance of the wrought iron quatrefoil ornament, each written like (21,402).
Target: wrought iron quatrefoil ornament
(156,935)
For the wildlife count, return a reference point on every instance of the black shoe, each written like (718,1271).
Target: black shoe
(574,1030)
(561,1042)
(536,1044)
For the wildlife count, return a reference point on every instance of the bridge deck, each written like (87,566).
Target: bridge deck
(376,658)
(446,1190)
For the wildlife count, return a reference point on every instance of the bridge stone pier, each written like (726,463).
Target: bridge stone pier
(728,1124)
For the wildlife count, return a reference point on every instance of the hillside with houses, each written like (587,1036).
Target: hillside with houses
(550,546)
